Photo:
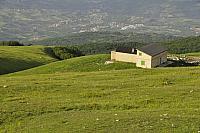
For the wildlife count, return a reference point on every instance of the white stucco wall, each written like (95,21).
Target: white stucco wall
(124,57)
(143,57)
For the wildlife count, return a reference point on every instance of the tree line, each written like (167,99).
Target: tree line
(184,45)
(63,52)
(10,43)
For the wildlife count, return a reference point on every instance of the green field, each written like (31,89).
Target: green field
(13,59)
(197,54)
(85,95)
(79,64)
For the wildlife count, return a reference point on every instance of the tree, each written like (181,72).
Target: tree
(66,52)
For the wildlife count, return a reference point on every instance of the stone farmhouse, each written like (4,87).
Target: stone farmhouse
(149,56)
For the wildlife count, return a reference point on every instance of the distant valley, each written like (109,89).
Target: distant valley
(36,20)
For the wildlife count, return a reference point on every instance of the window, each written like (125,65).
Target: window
(142,63)
(140,54)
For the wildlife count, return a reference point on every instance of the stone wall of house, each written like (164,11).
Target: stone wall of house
(159,59)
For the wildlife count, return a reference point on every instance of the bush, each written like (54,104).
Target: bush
(66,52)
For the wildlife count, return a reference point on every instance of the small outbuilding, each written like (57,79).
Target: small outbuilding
(149,56)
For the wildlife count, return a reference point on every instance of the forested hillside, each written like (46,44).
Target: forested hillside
(105,37)
(179,46)
(104,42)
(105,48)
(184,45)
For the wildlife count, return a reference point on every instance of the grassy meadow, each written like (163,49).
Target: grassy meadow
(89,63)
(84,94)
(13,59)
(197,54)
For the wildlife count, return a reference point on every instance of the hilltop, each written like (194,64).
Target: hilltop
(90,63)
(12,59)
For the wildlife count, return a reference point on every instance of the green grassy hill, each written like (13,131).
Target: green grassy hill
(81,95)
(79,64)
(14,59)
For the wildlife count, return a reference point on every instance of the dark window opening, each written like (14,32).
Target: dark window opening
(134,51)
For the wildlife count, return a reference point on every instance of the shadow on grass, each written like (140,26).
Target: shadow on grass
(181,63)
(10,65)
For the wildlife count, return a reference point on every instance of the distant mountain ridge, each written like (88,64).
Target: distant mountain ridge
(33,20)
(104,37)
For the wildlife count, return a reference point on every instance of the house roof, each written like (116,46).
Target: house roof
(153,49)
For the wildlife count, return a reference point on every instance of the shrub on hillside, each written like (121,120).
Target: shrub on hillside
(66,52)
(10,43)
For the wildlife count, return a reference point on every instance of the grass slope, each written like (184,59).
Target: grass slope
(14,59)
(79,64)
(197,54)
(134,100)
